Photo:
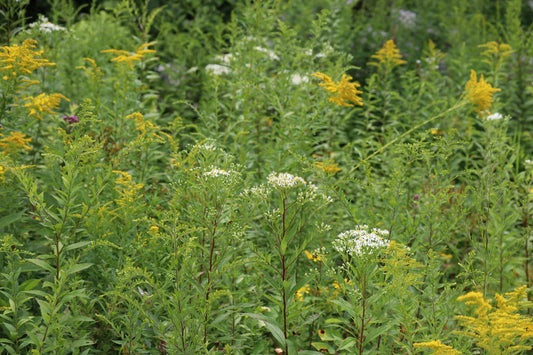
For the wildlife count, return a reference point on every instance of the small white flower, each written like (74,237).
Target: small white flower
(361,240)
(494,117)
(225,58)
(407,18)
(208,146)
(270,53)
(46,26)
(285,180)
(214,172)
(298,79)
(216,69)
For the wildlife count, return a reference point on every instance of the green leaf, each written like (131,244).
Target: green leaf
(76,246)
(7,220)
(11,329)
(45,310)
(276,332)
(42,264)
(320,346)
(29,284)
(77,268)
(347,344)
(271,325)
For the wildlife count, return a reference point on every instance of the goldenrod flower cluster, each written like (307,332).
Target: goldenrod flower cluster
(500,328)
(128,57)
(18,60)
(15,140)
(3,171)
(480,92)
(438,347)
(388,55)
(500,50)
(346,91)
(128,190)
(43,103)
(93,70)
(146,127)
(314,256)
(299,296)
(328,168)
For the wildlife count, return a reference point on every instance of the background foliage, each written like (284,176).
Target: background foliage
(174,180)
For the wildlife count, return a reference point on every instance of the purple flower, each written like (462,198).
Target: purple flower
(416,197)
(71,119)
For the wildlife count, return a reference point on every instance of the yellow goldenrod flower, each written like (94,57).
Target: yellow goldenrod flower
(146,127)
(153,230)
(328,168)
(496,49)
(43,103)
(312,256)
(480,92)
(438,347)
(128,190)
(21,59)
(301,292)
(129,58)
(15,140)
(498,329)
(388,55)
(93,71)
(345,90)
(2,173)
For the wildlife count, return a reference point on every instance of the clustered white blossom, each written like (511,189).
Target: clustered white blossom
(284,180)
(214,172)
(225,58)
(270,53)
(298,79)
(260,191)
(209,146)
(361,240)
(46,26)
(406,17)
(494,117)
(216,69)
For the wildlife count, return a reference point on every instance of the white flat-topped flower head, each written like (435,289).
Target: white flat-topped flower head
(361,240)
(285,180)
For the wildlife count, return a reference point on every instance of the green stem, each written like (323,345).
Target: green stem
(453,108)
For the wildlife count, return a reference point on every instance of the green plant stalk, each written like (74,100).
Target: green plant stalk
(406,133)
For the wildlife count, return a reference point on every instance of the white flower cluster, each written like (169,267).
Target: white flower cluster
(494,117)
(406,17)
(209,146)
(361,240)
(45,26)
(261,191)
(297,79)
(216,172)
(270,53)
(285,180)
(216,69)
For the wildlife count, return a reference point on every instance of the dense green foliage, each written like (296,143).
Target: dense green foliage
(266,177)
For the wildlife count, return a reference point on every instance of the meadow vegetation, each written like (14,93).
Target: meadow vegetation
(266,177)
